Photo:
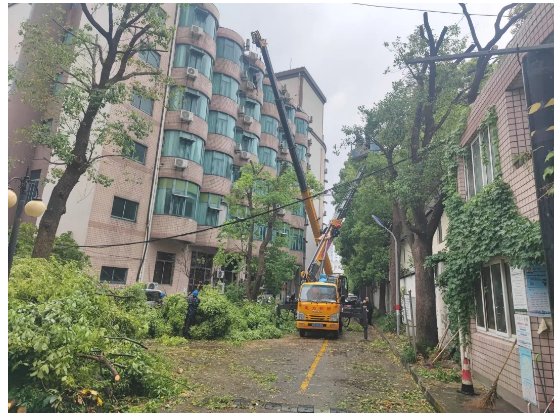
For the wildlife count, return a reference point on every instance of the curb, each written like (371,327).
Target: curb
(440,408)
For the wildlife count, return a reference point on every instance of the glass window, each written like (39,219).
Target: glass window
(183,145)
(225,86)
(296,239)
(236,173)
(248,142)
(33,185)
(301,152)
(268,94)
(267,156)
(252,109)
(113,274)
(254,75)
(176,197)
(269,125)
(138,153)
(301,126)
(142,103)
(299,209)
(290,113)
(150,57)
(163,271)
(217,163)
(209,206)
(220,123)
(124,209)
(189,56)
(228,49)
(494,301)
(190,15)
(189,100)
(480,163)
(317,293)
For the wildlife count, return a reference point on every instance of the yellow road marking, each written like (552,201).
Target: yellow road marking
(311,371)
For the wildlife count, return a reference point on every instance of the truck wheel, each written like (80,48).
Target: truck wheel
(302,333)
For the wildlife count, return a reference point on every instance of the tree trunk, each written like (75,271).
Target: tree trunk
(382,309)
(55,210)
(426,320)
(397,231)
(260,260)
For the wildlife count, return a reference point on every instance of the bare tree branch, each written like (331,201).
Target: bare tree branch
(471,26)
(139,73)
(94,23)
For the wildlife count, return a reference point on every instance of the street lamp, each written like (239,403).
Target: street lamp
(32,205)
(397,290)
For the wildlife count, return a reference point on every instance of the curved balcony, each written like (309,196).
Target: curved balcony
(224,104)
(204,41)
(270,109)
(216,185)
(164,225)
(301,139)
(231,34)
(295,221)
(220,143)
(197,126)
(208,239)
(251,126)
(252,92)
(238,161)
(268,140)
(193,172)
(200,83)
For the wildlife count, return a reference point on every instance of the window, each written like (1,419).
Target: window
(267,156)
(189,56)
(189,100)
(201,268)
(296,239)
(248,142)
(163,272)
(281,166)
(209,206)
(176,197)
(480,163)
(494,300)
(228,49)
(138,153)
(301,126)
(290,113)
(124,209)
(183,145)
(193,15)
(220,123)
(113,274)
(299,210)
(143,103)
(225,86)
(252,109)
(301,152)
(260,232)
(33,185)
(255,75)
(217,163)
(440,233)
(269,125)
(236,173)
(268,94)
(150,57)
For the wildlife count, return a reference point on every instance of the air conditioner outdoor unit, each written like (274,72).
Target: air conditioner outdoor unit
(192,73)
(281,212)
(247,119)
(237,148)
(197,30)
(309,142)
(244,155)
(180,163)
(186,115)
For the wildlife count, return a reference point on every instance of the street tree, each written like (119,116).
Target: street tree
(254,244)
(76,75)
(416,120)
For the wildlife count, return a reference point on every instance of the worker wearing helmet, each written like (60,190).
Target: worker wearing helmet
(193,302)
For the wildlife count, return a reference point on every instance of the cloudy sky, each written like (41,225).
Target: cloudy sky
(342,47)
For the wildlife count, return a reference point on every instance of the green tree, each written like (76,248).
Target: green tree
(255,201)
(76,76)
(423,113)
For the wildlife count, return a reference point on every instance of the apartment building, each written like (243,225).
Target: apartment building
(221,115)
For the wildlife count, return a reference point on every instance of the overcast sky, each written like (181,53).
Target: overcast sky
(342,47)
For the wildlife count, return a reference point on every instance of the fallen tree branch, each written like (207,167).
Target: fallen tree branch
(102,359)
(138,343)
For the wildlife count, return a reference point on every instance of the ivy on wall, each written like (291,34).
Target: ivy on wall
(486,226)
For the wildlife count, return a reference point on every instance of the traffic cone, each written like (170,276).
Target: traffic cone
(466,378)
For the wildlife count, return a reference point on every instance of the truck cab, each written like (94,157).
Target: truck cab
(318,308)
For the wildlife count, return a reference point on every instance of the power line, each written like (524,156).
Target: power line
(422,10)
(233,222)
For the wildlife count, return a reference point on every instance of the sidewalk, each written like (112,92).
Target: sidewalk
(443,395)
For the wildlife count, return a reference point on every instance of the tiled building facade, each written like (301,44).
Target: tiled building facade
(220,116)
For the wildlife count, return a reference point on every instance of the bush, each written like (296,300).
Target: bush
(235,293)
(59,318)
(213,317)
(408,354)
(388,323)
(173,313)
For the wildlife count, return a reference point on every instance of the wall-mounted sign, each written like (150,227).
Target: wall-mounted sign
(519,294)
(538,303)
(527,378)
(523,331)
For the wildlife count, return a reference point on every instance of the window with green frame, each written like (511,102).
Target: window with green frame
(189,56)
(225,86)
(183,145)
(209,206)
(190,14)
(252,108)
(301,126)
(229,50)
(269,125)
(480,162)
(248,142)
(176,197)
(150,57)
(301,152)
(142,103)
(299,209)
(260,231)
(189,100)
(297,242)
(235,173)
(138,153)
(218,163)
(267,156)
(268,94)
(220,123)
(290,113)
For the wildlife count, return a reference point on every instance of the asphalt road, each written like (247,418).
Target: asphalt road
(294,374)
